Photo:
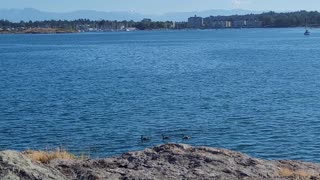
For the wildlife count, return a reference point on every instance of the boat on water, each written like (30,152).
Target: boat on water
(307,32)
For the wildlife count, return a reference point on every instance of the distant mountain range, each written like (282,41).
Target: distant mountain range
(34,14)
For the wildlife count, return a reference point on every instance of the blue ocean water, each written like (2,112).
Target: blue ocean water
(252,90)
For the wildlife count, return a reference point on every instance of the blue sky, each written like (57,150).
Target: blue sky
(161,6)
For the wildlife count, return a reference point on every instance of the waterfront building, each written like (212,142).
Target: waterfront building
(173,25)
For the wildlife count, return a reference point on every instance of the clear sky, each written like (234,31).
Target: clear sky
(161,6)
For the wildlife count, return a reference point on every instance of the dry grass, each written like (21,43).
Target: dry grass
(285,172)
(47,156)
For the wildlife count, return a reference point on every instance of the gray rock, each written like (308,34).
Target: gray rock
(15,166)
(170,161)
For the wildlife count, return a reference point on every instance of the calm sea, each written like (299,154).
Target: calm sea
(252,90)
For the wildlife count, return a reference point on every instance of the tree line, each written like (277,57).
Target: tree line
(268,19)
(86,23)
(273,19)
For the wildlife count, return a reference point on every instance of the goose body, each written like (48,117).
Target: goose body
(186,137)
(165,137)
(145,138)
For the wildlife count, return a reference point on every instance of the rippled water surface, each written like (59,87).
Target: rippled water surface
(252,90)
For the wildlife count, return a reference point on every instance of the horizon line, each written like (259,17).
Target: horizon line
(159,14)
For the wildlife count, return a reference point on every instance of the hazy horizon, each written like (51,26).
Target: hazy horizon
(61,12)
(162,6)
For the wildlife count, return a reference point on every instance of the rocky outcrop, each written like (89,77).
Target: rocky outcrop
(37,31)
(15,166)
(170,161)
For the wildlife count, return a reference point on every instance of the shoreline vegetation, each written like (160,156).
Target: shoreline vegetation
(169,161)
(264,20)
(46,157)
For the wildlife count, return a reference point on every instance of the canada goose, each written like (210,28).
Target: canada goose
(185,137)
(165,137)
(145,138)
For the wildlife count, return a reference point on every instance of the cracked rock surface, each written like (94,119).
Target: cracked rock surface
(170,161)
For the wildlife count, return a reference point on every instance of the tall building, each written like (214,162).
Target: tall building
(195,22)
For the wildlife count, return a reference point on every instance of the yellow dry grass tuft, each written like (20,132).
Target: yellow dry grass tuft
(285,172)
(47,156)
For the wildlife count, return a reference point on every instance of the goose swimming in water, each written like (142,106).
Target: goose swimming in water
(165,137)
(185,137)
(145,138)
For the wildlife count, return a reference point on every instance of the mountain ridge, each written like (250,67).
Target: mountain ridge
(32,14)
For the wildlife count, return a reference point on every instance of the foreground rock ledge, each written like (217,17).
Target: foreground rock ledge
(170,161)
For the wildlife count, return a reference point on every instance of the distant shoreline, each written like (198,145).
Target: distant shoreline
(39,31)
(63,31)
